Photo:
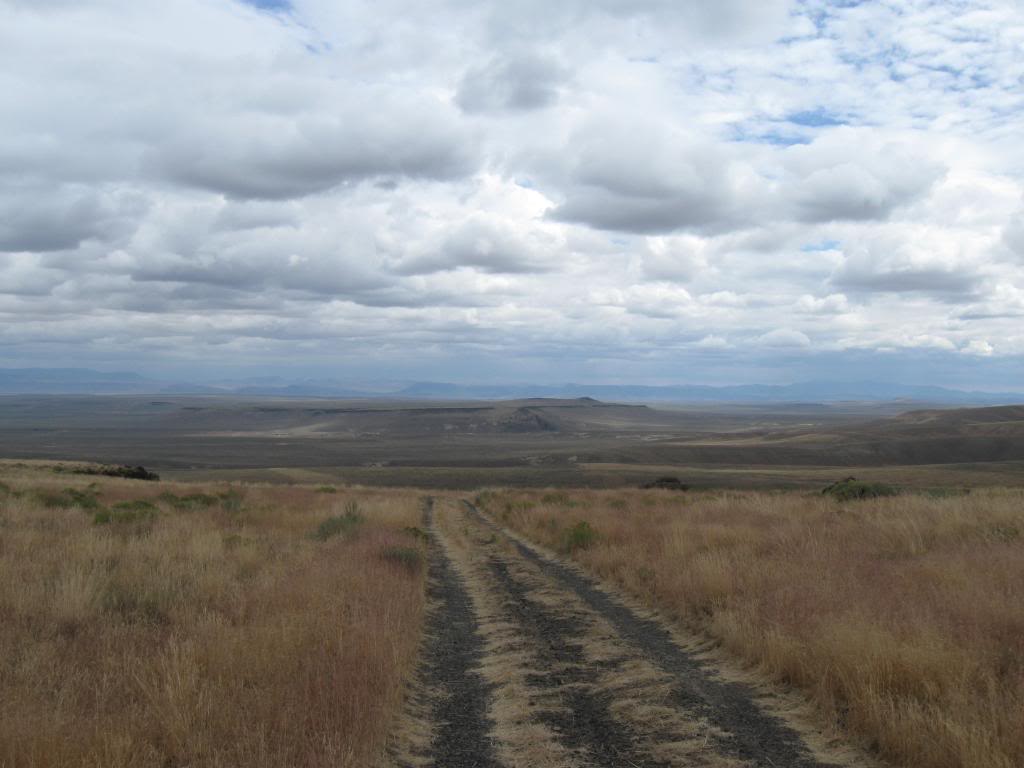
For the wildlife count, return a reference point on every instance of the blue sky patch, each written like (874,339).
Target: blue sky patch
(756,135)
(781,139)
(815,118)
(270,5)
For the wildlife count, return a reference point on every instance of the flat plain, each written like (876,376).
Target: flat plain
(526,443)
(264,604)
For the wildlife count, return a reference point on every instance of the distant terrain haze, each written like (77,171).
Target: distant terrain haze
(70,381)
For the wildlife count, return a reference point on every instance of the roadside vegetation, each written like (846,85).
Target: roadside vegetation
(157,624)
(900,617)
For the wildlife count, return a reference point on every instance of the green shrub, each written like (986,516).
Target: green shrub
(326,489)
(122,471)
(580,536)
(231,500)
(68,498)
(851,488)
(667,483)
(409,558)
(344,524)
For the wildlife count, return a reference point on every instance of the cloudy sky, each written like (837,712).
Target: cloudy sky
(650,191)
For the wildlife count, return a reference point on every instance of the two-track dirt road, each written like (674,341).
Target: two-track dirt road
(527,662)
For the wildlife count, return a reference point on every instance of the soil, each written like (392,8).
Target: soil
(529,662)
(456,696)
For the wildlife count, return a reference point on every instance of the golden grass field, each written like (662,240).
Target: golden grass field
(901,618)
(162,623)
(212,629)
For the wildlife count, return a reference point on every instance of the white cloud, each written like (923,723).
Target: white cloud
(784,337)
(713,342)
(857,174)
(580,181)
(978,347)
(833,304)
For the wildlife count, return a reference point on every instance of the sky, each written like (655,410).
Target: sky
(656,191)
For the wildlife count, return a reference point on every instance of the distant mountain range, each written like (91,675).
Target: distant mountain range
(82,381)
(811,391)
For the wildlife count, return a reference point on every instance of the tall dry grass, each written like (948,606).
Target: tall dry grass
(901,618)
(218,635)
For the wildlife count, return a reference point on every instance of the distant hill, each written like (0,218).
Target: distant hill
(79,381)
(572,438)
(806,392)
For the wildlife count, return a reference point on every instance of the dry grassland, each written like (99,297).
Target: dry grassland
(211,629)
(901,618)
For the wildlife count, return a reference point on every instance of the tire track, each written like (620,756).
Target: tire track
(585,723)
(529,663)
(451,696)
(587,697)
(745,730)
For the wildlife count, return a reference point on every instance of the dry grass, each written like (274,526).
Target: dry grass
(901,618)
(217,633)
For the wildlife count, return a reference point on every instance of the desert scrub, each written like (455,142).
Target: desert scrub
(899,616)
(579,536)
(214,639)
(345,524)
(410,558)
(67,498)
(232,500)
(851,488)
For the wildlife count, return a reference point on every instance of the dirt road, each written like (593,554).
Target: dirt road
(528,662)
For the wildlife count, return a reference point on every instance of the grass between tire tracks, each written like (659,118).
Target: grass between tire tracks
(154,624)
(900,617)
